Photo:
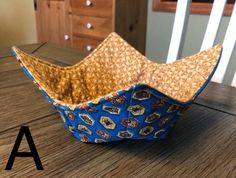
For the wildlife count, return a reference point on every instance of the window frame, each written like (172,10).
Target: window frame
(196,7)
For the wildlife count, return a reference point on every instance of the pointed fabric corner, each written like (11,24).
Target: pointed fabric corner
(117,93)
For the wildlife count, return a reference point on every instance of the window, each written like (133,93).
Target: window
(197,6)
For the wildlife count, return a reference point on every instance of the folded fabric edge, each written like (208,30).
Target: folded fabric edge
(209,78)
(73,106)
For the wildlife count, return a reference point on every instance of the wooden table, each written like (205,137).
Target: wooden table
(203,143)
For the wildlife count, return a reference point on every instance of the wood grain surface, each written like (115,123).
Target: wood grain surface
(6,52)
(203,143)
(64,55)
(83,42)
(219,97)
(100,8)
(101,27)
(200,145)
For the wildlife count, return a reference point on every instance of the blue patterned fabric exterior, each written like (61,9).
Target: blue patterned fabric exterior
(139,112)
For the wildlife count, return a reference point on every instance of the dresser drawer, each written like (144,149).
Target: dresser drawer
(85,45)
(94,27)
(98,8)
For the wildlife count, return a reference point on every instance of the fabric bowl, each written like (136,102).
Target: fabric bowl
(117,93)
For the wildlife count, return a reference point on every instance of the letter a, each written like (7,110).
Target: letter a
(24,130)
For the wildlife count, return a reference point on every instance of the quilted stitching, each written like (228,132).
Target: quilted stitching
(117,93)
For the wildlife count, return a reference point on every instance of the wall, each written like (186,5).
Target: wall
(159,31)
(17,22)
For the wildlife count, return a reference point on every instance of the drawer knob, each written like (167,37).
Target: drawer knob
(89,48)
(89,3)
(66,37)
(89,25)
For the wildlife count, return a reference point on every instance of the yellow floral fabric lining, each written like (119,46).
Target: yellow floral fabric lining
(115,65)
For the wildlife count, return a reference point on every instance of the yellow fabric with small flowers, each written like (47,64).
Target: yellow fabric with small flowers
(115,65)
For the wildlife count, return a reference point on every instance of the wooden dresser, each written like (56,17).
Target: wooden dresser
(83,24)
